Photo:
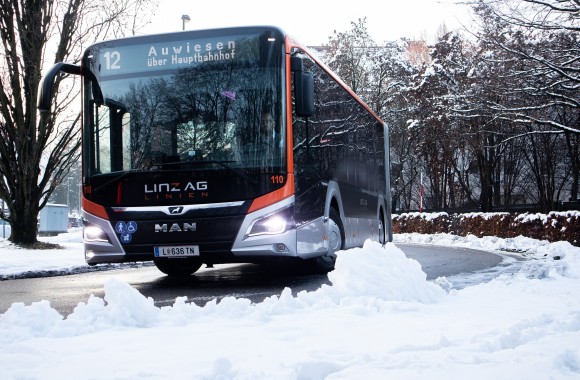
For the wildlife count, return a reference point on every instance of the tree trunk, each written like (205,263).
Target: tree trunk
(485,177)
(23,233)
(23,218)
(573,144)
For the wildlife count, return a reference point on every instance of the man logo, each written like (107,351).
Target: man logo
(176,227)
(176,210)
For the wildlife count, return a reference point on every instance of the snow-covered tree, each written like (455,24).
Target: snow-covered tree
(534,51)
(442,137)
(474,114)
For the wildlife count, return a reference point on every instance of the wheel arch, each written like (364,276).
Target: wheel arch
(333,200)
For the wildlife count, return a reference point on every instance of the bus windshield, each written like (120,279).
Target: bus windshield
(179,102)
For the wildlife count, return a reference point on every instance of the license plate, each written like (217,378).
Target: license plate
(177,251)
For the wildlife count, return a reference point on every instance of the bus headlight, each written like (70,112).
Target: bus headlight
(95,234)
(272,224)
(268,226)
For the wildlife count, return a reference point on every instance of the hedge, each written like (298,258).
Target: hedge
(554,226)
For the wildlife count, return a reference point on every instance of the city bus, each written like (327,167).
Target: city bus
(232,145)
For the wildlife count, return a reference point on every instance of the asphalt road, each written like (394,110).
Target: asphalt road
(251,281)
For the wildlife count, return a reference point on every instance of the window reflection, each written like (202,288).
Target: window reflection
(215,112)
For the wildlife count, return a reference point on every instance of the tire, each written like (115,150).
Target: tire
(382,231)
(178,267)
(325,263)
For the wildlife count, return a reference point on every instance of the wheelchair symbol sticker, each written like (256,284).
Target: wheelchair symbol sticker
(131,227)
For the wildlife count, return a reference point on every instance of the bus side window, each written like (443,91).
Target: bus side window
(118,115)
(102,140)
(112,129)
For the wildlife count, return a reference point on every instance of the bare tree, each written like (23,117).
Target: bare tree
(36,152)
(477,115)
(538,92)
(544,36)
(348,54)
(442,138)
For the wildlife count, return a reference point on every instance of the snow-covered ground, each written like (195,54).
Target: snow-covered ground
(380,319)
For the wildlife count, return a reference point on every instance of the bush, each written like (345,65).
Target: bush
(554,226)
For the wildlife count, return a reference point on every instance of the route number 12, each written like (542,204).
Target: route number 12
(112,59)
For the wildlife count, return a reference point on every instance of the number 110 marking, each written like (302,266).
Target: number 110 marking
(277,179)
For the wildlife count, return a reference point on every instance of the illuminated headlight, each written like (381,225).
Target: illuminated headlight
(273,224)
(268,226)
(95,234)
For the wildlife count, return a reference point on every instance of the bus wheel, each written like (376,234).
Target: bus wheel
(178,267)
(382,232)
(325,263)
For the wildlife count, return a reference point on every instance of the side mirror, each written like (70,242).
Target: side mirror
(303,89)
(304,94)
(45,91)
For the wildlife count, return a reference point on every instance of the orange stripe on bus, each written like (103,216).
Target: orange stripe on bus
(95,209)
(275,196)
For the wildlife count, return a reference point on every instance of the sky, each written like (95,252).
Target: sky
(313,22)
(379,319)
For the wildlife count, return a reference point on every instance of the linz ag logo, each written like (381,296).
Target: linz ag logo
(176,190)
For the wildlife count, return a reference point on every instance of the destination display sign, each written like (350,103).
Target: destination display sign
(171,55)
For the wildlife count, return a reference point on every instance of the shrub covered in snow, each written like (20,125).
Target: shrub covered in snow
(554,226)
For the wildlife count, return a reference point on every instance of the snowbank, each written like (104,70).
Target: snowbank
(379,319)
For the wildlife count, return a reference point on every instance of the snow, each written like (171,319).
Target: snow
(530,217)
(380,318)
